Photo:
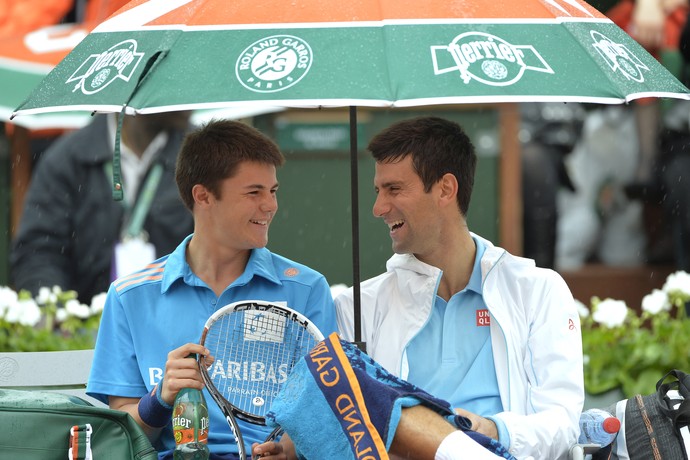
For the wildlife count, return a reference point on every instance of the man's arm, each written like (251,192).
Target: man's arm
(180,372)
(547,424)
(480,424)
(421,434)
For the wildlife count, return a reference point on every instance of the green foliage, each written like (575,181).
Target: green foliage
(635,351)
(54,321)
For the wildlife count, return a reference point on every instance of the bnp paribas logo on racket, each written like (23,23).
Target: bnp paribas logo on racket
(101,69)
(487,59)
(619,57)
(274,63)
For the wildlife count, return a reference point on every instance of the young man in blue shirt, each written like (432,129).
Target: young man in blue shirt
(153,319)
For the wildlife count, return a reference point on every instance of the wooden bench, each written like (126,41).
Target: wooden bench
(60,371)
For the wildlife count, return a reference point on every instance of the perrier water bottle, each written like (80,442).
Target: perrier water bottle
(190,425)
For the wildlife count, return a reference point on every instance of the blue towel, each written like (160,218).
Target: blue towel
(338,399)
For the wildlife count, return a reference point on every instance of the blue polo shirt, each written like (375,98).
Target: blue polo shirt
(162,307)
(451,357)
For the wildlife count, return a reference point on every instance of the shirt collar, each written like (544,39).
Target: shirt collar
(475,283)
(260,263)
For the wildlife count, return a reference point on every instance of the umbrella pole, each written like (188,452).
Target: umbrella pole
(354,190)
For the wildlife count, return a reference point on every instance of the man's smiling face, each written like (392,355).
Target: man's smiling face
(246,206)
(410,213)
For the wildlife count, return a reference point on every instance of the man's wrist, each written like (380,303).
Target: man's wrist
(159,391)
(153,411)
(502,434)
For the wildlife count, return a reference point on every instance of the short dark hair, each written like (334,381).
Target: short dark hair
(213,153)
(437,146)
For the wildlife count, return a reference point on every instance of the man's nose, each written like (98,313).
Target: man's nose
(269,204)
(380,206)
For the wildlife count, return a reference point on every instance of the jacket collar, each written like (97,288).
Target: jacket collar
(492,254)
(102,146)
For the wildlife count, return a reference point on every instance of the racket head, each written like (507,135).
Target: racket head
(255,344)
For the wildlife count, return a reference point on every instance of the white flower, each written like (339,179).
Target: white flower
(75,308)
(655,302)
(7,297)
(336,289)
(24,312)
(97,303)
(61,315)
(582,309)
(678,281)
(611,313)
(46,296)
(13,312)
(29,312)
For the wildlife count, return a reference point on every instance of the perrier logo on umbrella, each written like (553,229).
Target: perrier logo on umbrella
(487,59)
(100,70)
(619,57)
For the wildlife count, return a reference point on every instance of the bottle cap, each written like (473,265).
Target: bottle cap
(612,425)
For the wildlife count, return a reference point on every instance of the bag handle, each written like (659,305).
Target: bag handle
(681,415)
(80,442)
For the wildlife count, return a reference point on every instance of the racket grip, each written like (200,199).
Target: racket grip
(271,437)
(274,434)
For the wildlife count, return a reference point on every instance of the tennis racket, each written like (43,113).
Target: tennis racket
(255,345)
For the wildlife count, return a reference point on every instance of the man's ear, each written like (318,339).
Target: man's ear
(449,189)
(201,195)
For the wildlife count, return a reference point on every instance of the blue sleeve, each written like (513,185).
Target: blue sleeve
(114,371)
(320,307)
(503,434)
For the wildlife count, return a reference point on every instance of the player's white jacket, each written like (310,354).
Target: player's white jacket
(535,335)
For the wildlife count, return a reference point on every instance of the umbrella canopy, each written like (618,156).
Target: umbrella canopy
(177,54)
(26,60)
(162,55)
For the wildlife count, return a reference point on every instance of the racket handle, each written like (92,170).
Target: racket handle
(274,434)
(271,437)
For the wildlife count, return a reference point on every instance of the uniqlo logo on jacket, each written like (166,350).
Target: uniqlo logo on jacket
(483,318)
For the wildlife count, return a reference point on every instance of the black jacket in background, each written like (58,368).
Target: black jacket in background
(71,223)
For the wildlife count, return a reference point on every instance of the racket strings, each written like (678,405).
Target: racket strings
(254,353)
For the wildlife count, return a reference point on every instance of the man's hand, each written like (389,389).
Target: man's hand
(182,372)
(283,450)
(480,424)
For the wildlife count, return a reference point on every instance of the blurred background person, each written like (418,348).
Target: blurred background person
(548,134)
(73,234)
(617,171)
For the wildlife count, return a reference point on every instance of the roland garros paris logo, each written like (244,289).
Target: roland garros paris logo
(273,63)
(619,57)
(487,59)
(100,70)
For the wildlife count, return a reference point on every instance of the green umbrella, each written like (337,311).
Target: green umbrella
(162,55)
(25,60)
(167,55)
